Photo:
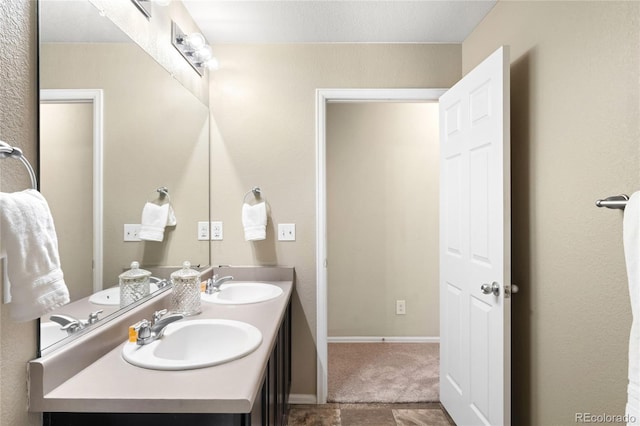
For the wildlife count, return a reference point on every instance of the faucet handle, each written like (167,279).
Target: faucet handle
(143,328)
(72,327)
(160,282)
(93,316)
(158,314)
(208,288)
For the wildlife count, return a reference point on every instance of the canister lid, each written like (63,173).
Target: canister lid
(186,273)
(135,273)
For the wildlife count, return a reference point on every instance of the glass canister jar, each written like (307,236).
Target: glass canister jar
(134,284)
(185,297)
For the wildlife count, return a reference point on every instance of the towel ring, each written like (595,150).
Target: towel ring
(163,196)
(8,151)
(256,191)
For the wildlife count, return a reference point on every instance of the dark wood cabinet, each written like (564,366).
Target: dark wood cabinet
(277,383)
(269,409)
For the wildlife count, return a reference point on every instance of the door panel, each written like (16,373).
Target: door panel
(475,245)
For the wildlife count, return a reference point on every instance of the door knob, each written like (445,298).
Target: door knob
(494,288)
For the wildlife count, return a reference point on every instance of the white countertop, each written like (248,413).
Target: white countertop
(110,384)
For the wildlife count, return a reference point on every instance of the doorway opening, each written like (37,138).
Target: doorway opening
(325,98)
(71,136)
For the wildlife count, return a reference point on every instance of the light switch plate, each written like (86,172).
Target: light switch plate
(203,231)
(286,232)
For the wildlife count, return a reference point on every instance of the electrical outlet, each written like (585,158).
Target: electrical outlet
(131,232)
(216,231)
(401,307)
(286,232)
(203,231)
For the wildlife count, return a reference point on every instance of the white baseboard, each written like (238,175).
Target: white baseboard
(299,398)
(375,339)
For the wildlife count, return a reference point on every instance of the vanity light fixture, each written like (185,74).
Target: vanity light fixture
(194,48)
(144,6)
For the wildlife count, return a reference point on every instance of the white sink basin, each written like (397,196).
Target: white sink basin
(50,333)
(111,296)
(241,293)
(194,344)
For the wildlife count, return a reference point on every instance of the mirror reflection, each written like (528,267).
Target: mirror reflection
(115,128)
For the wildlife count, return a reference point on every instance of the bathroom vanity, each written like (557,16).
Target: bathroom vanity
(89,382)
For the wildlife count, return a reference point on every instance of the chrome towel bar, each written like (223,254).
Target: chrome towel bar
(614,202)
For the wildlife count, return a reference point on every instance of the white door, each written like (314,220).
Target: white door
(475,244)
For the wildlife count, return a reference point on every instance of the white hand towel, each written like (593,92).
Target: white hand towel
(254,220)
(33,262)
(154,219)
(631,237)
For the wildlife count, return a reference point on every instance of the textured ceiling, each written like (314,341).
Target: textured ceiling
(337,21)
(290,21)
(76,22)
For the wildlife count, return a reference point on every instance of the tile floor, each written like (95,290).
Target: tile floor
(416,414)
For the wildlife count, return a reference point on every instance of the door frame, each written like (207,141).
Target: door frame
(324,96)
(95,97)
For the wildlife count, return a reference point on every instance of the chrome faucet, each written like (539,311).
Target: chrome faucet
(213,284)
(149,332)
(160,282)
(93,317)
(68,323)
(71,324)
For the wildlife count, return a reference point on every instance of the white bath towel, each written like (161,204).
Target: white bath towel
(154,219)
(33,262)
(631,236)
(254,220)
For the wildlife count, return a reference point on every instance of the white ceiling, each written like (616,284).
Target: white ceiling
(289,21)
(76,22)
(337,21)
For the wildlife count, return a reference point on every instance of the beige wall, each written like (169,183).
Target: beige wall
(155,134)
(263,104)
(575,131)
(18,112)
(382,218)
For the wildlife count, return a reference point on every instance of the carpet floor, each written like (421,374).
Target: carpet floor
(383,372)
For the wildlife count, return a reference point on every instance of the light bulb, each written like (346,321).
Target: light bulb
(203,54)
(195,41)
(213,64)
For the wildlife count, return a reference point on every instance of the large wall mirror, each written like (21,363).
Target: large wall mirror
(114,127)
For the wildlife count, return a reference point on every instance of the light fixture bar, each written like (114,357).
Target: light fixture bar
(143,6)
(179,41)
